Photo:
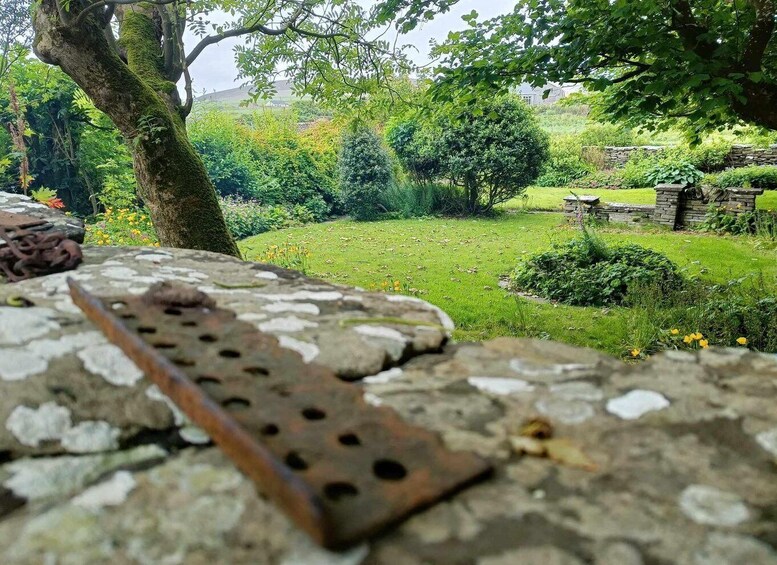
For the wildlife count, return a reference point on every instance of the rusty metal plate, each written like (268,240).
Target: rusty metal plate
(342,469)
(18,221)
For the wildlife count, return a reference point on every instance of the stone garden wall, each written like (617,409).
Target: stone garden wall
(740,155)
(676,206)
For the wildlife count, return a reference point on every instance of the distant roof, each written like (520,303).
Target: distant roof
(283,89)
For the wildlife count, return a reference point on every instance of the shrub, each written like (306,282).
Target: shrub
(365,173)
(674,173)
(586,272)
(122,226)
(565,164)
(638,167)
(612,179)
(246,218)
(761,223)
(755,176)
(410,200)
(266,160)
(416,148)
(738,313)
(493,152)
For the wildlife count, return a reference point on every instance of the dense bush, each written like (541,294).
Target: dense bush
(408,200)
(493,152)
(755,176)
(365,173)
(490,153)
(265,160)
(586,272)
(566,162)
(739,313)
(417,149)
(681,172)
(246,218)
(761,223)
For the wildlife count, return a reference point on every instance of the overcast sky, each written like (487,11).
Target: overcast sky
(215,70)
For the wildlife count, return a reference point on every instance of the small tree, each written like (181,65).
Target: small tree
(492,152)
(416,149)
(365,173)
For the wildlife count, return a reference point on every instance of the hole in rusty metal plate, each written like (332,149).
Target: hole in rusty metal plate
(349,439)
(389,470)
(163,345)
(184,362)
(207,338)
(296,462)
(146,330)
(236,403)
(173,311)
(207,381)
(339,491)
(257,371)
(270,430)
(313,414)
(189,324)
(230,353)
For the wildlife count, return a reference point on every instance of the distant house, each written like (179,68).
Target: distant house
(535,95)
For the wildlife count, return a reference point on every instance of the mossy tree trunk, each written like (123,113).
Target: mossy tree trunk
(133,81)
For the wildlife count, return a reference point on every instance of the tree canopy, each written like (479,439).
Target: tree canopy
(15,32)
(704,63)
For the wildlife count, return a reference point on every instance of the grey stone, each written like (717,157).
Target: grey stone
(71,226)
(690,482)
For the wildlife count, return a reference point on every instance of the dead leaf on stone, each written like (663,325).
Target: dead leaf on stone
(529,446)
(538,428)
(567,453)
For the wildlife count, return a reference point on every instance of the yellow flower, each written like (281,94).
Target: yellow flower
(635,352)
(688,339)
(675,331)
(697,336)
(704,343)
(742,340)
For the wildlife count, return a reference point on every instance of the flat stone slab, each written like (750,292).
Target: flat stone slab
(20,204)
(668,461)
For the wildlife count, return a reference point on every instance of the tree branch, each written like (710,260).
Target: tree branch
(760,35)
(103,3)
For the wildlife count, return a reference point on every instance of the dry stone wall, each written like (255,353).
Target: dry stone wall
(739,156)
(676,206)
(668,461)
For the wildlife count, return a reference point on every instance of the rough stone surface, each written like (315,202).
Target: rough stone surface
(20,204)
(667,461)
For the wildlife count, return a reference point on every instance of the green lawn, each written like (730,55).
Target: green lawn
(551,198)
(456,265)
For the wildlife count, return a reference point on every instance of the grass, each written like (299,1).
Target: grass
(550,199)
(456,264)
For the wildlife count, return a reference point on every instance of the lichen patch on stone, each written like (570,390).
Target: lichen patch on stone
(110,362)
(308,351)
(20,325)
(709,505)
(565,411)
(18,364)
(289,324)
(502,386)
(31,426)
(91,437)
(637,403)
(296,307)
(768,440)
(384,376)
(112,492)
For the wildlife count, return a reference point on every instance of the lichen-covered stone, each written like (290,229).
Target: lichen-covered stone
(57,221)
(673,460)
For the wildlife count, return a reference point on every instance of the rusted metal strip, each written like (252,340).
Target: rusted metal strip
(12,220)
(343,470)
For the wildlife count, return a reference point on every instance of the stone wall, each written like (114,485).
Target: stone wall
(676,206)
(743,155)
(671,460)
(740,155)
